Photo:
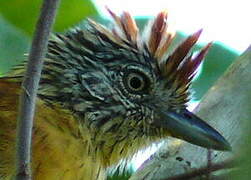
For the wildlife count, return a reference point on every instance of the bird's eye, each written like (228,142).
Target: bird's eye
(136,82)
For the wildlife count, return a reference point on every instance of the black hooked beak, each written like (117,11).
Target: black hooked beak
(187,126)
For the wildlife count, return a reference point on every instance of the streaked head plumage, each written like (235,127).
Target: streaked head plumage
(125,86)
(124,44)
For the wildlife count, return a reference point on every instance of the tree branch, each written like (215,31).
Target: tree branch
(204,170)
(30,86)
(226,106)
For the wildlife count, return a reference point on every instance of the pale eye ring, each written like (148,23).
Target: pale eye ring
(135,82)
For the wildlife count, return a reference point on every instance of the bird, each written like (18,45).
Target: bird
(105,93)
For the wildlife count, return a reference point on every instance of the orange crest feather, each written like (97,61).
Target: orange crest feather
(179,67)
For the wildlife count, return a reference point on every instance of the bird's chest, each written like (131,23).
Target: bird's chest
(64,159)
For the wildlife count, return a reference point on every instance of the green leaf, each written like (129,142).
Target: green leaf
(13,45)
(23,13)
(218,59)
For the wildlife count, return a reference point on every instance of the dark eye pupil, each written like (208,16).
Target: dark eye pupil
(135,83)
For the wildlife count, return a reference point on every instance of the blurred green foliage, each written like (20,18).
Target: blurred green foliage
(17,22)
(13,45)
(24,13)
(216,62)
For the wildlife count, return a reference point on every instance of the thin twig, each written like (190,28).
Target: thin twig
(209,162)
(205,170)
(30,86)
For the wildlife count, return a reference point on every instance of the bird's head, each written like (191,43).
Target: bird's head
(117,81)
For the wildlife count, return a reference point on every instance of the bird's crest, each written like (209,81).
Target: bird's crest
(178,67)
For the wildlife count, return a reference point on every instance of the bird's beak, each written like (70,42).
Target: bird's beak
(187,126)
